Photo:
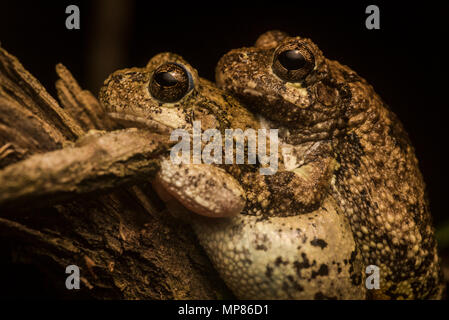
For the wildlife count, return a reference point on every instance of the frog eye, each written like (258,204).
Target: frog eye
(293,63)
(170,82)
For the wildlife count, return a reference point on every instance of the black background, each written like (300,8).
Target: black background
(404,60)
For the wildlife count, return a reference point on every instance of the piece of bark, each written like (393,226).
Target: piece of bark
(81,104)
(123,241)
(18,84)
(99,161)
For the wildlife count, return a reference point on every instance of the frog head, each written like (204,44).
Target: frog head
(159,96)
(286,79)
(168,94)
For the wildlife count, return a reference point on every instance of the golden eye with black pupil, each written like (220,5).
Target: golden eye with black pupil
(170,82)
(292,59)
(293,62)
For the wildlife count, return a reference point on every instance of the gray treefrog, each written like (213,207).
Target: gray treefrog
(266,238)
(376,181)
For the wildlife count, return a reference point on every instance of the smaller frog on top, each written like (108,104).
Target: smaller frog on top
(166,95)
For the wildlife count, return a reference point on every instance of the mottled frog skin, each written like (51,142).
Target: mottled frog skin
(264,247)
(376,182)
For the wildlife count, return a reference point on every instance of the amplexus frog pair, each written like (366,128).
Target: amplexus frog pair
(347,192)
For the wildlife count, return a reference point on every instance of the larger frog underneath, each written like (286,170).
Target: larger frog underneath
(377,182)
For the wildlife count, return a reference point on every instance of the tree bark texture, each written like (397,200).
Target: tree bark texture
(70,196)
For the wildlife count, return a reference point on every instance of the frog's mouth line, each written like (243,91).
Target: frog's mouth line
(140,122)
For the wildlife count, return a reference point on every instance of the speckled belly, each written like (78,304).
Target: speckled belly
(308,256)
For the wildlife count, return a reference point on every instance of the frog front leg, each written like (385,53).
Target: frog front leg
(202,188)
(303,188)
(300,184)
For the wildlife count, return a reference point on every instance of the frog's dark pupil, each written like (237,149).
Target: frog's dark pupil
(165,79)
(292,59)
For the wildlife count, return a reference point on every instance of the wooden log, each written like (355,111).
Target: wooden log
(123,240)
